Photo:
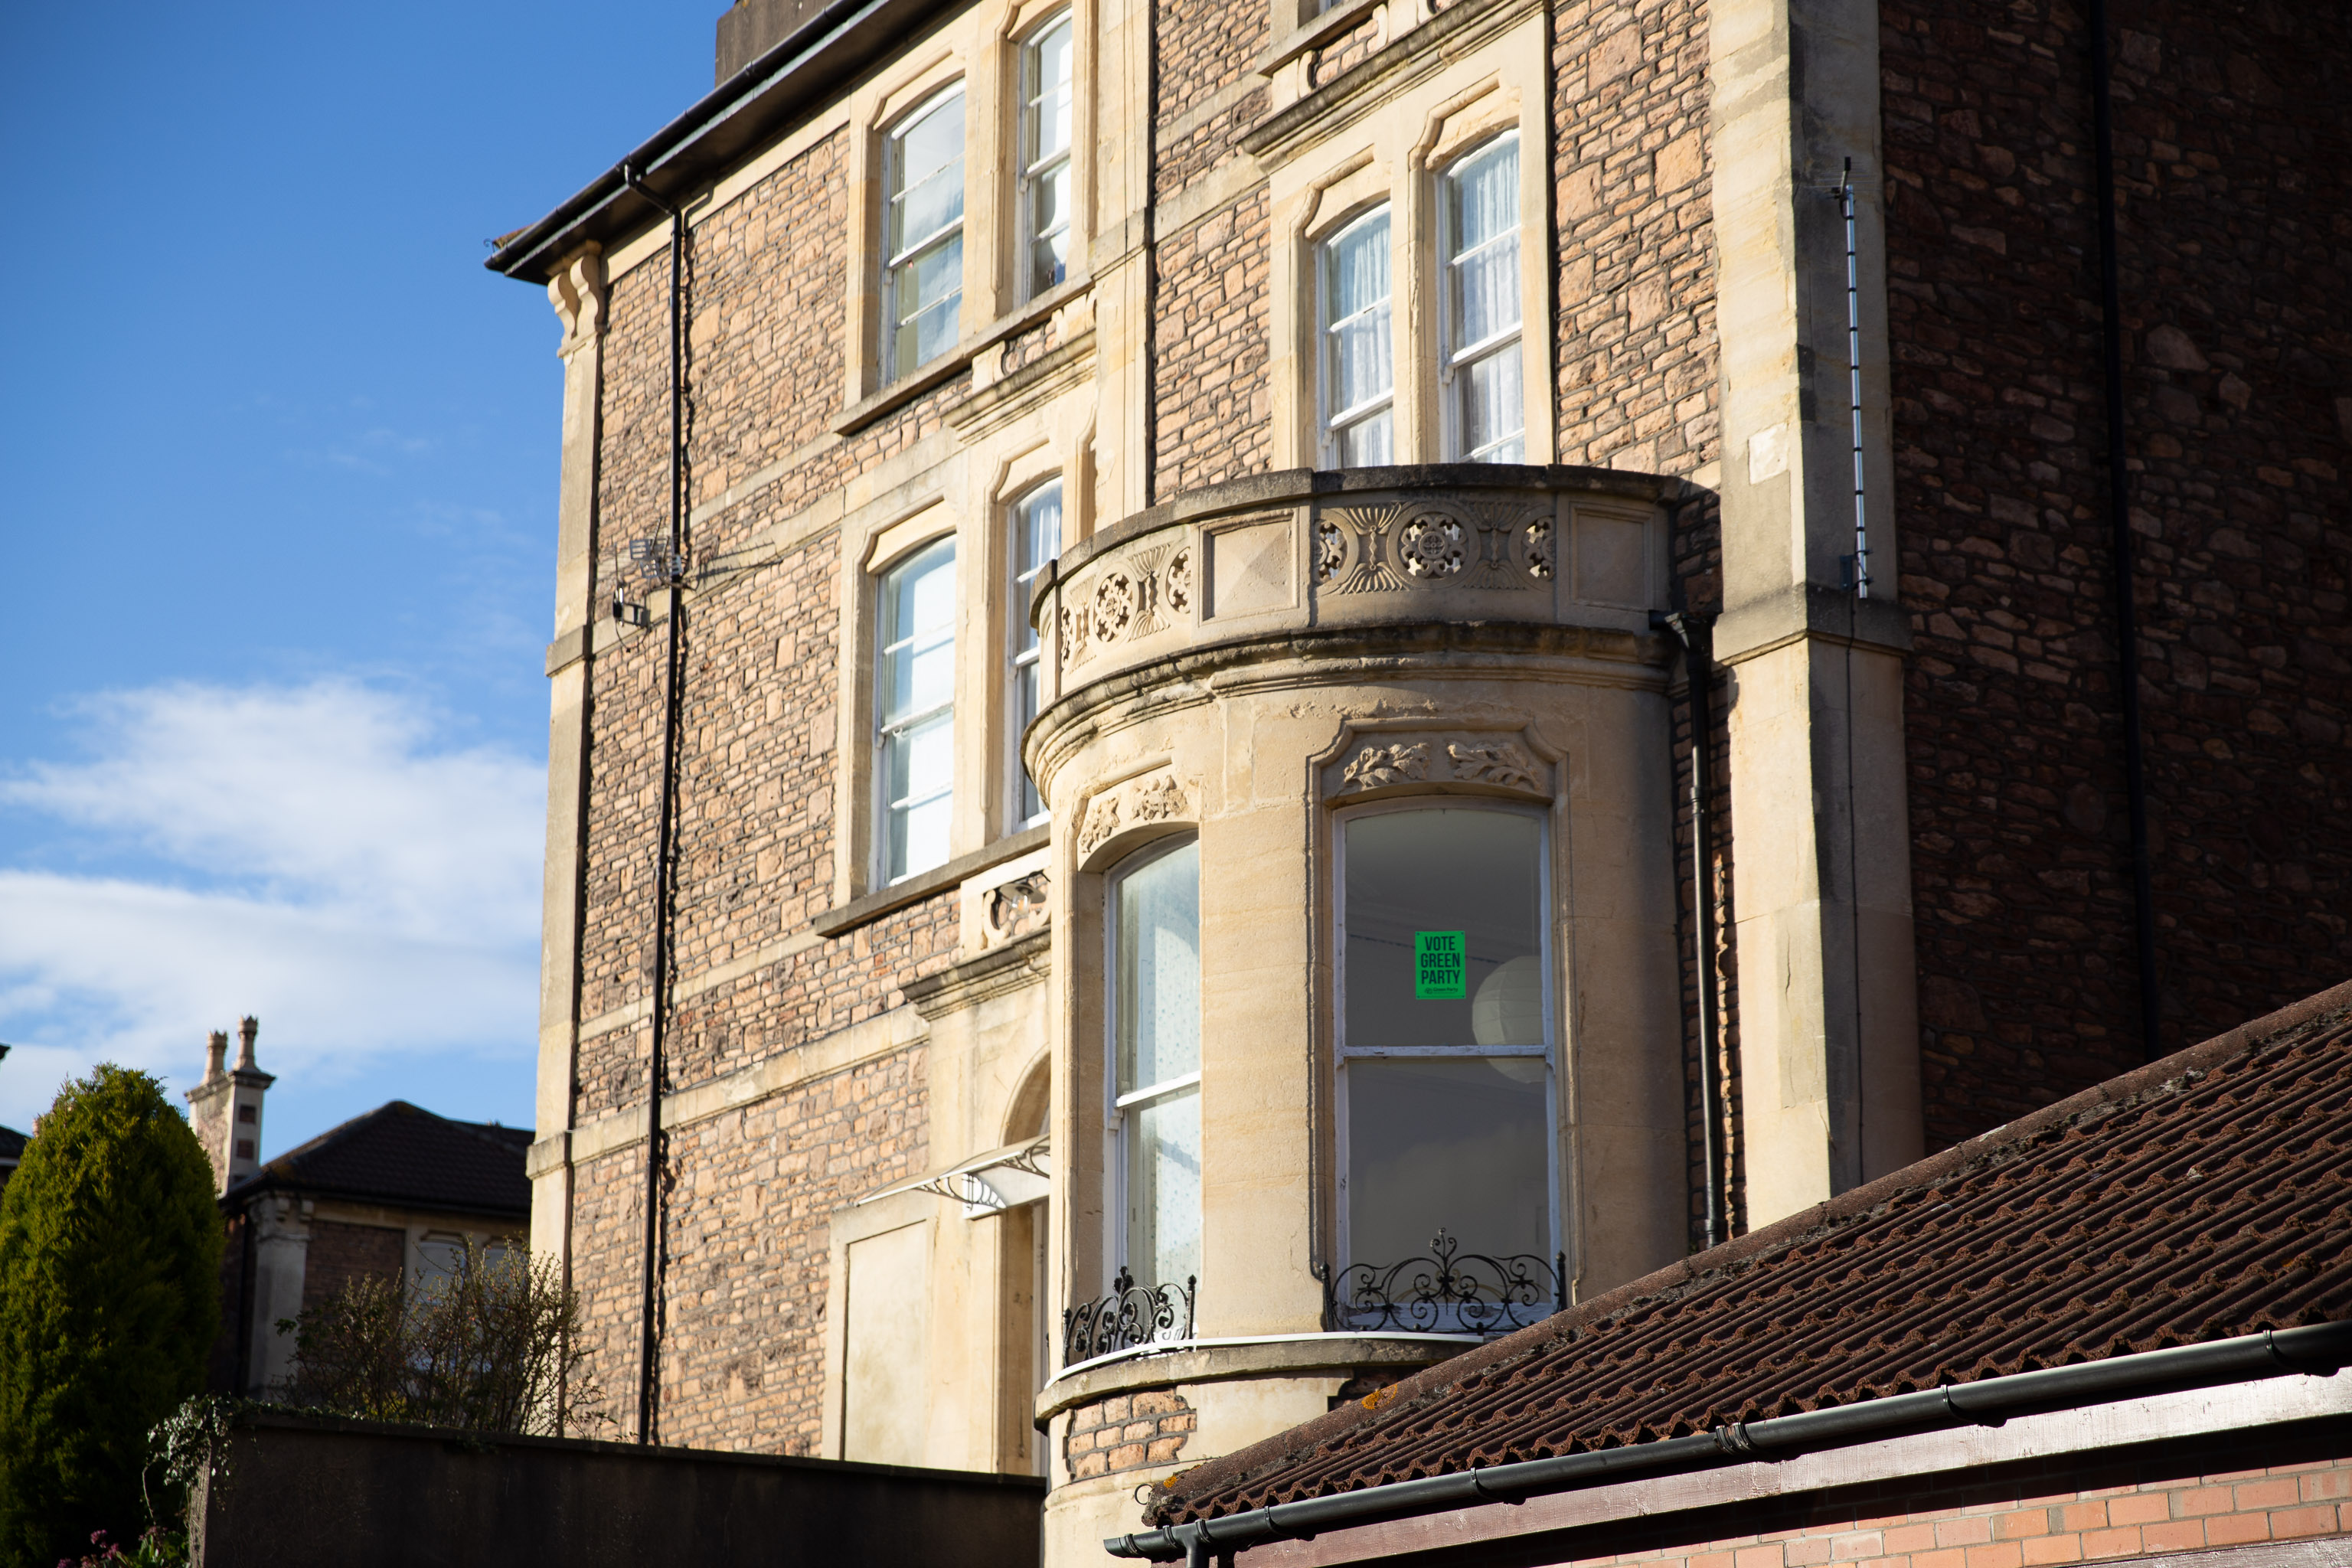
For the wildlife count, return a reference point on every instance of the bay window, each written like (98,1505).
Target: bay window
(923,235)
(1035,522)
(1485,406)
(914,711)
(1045,194)
(1155,1012)
(1358,352)
(1444,1032)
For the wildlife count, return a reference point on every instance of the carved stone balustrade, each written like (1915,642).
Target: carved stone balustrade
(1301,552)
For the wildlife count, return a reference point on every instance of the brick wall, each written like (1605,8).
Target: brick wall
(2027,1516)
(340,1252)
(1132,1431)
(2232,246)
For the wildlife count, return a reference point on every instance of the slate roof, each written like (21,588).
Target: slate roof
(2204,1196)
(402,1156)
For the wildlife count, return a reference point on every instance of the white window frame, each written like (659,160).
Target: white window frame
(894,264)
(1035,168)
(1332,422)
(1342,1053)
(1454,355)
(1023,648)
(1116,1105)
(890,729)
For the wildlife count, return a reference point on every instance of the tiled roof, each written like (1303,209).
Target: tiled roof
(2204,1196)
(400,1155)
(12,1144)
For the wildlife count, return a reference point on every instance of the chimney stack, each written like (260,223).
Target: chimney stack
(224,1109)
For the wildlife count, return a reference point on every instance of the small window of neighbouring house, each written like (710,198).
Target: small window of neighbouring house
(922,239)
(914,711)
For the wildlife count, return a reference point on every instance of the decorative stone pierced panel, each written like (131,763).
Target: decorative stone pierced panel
(1370,763)
(1486,545)
(1142,802)
(1012,910)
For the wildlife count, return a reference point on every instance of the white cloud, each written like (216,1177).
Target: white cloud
(326,862)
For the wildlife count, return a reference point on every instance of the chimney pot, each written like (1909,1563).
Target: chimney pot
(215,1054)
(245,1030)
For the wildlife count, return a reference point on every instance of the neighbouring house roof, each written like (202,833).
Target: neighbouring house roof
(402,1156)
(12,1146)
(2204,1196)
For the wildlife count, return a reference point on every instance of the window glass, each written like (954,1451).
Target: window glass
(1036,524)
(1486,413)
(1046,157)
(1359,360)
(1156,1048)
(915,710)
(1444,1033)
(922,285)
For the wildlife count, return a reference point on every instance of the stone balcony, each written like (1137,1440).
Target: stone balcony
(1292,554)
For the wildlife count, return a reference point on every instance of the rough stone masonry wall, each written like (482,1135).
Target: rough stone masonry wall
(1637,381)
(338,1253)
(2036,1515)
(2236,258)
(741,1322)
(1213,405)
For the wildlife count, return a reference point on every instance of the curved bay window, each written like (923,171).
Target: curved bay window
(1155,1027)
(1445,1040)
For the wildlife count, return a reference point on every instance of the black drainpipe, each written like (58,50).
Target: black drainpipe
(671,571)
(1696,635)
(2119,536)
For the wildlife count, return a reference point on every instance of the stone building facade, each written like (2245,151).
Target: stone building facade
(1151,595)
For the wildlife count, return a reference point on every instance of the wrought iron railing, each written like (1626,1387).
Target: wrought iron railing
(1447,1292)
(1130,1316)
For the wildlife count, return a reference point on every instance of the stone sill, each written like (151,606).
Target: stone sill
(1225,1360)
(957,360)
(1339,19)
(848,917)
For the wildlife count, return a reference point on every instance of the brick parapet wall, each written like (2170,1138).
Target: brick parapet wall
(2037,1515)
(1132,1431)
(2233,243)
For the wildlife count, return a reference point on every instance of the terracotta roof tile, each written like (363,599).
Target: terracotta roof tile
(2205,1197)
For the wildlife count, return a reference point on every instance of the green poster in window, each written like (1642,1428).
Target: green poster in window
(1441,966)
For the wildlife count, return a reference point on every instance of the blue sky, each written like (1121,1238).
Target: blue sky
(277,494)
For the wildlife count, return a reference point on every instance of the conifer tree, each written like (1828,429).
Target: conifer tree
(110,1299)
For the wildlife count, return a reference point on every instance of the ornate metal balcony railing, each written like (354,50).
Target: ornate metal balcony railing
(1447,1292)
(1130,1316)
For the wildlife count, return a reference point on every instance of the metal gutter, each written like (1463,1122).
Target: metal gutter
(723,128)
(1988,1400)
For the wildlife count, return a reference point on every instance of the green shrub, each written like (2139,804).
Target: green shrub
(110,1299)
